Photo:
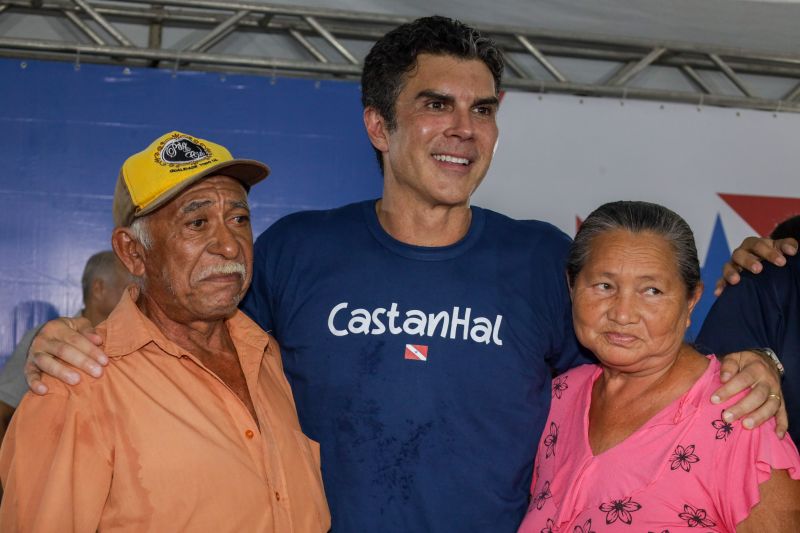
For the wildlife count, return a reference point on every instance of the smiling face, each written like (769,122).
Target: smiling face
(629,304)
(445,132)
(200,262)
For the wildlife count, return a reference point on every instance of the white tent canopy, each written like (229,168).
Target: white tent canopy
(768,26)
(716,52)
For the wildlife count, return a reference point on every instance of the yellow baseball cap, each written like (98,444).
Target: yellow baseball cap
(168,166)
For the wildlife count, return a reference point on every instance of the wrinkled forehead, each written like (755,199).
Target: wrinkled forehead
(214,189)
(621,249)
(469,73)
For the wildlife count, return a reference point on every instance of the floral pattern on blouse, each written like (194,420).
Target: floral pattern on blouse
(542,496)
(724,429)
(620,510)
(550,440)
(585,528)
(695,517)
(559,386)
(548,528)
(683,458)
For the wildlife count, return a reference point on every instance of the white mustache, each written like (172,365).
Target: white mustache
(224,268)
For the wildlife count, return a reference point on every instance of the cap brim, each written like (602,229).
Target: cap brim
(247,171)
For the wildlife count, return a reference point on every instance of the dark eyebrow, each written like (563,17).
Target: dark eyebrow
(492,101)
(489,100)
(428,93)
(242,204)
(645,277)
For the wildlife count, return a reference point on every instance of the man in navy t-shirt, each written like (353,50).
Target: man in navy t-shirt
(419,333)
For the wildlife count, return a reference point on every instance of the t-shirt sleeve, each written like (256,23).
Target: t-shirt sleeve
(746,460)
(567,352)
(745,316)
(257,303)
(570,354)
(55,465)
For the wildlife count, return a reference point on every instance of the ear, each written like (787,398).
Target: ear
(693,299)
(129,251)
(98,286)
(375,125)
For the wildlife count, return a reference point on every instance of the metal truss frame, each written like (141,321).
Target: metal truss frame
(324,43)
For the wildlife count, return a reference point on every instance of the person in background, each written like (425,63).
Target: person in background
(752,253)
(763,311)
(193,426)
(103,281)
(789,228)
(631,443)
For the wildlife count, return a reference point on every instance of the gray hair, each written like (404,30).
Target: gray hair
(140,230)
(638,217)
(100,265)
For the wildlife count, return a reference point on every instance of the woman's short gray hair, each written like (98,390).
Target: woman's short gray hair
(637,217)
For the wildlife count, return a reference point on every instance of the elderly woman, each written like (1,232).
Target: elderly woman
(633,444)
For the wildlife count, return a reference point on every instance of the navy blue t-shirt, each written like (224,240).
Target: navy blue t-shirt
(762,310)
(424,373)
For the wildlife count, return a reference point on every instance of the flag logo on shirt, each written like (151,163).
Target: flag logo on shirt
(416,352)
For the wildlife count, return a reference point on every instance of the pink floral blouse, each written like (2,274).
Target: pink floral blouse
(684,470)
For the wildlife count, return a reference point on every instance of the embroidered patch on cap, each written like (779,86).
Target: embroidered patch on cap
(180,150)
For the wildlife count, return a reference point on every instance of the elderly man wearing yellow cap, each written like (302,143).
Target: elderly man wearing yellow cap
(193,427)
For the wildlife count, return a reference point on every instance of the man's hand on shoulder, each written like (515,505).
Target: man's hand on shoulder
(62,346)
(748,256)
(743,370)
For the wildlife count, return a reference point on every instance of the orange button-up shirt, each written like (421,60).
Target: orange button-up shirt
(159,443)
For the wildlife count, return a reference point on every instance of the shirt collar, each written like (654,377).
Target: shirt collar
(128,330)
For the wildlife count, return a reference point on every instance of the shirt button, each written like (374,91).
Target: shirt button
(277,496)
(249,434)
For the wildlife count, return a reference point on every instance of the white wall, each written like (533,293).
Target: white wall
(561,156)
